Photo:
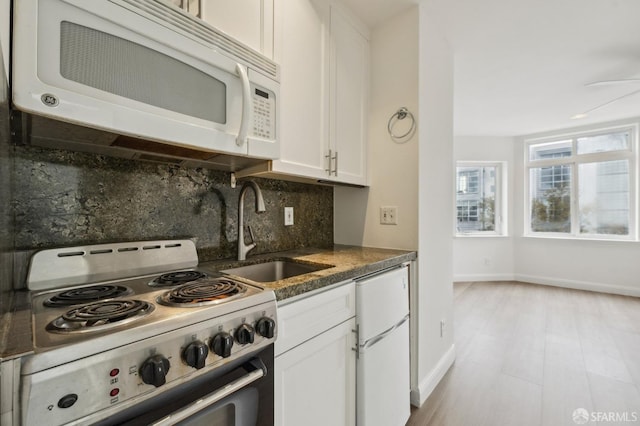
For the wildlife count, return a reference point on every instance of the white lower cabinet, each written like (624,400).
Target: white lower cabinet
(315,382)
(315,365)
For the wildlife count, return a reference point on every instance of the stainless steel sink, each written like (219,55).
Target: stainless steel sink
(274,270)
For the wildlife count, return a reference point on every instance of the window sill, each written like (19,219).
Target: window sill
(478,235)
(574,238)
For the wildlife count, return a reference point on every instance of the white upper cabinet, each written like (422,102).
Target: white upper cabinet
(302,49)
(323,53)
(349,98)
(324,57)
(248,21)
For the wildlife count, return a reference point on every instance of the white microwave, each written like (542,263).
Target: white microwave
(144,69)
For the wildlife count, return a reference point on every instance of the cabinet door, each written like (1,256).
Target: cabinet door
(249,21)
(315,381)
(301,49)
(349,97)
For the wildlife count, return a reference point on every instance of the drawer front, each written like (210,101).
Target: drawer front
(303,319)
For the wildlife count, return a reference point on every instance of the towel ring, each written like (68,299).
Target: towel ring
(401,114)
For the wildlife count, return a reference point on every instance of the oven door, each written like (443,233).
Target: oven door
(240,396)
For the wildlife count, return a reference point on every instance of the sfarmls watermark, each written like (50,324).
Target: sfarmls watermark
(582,416)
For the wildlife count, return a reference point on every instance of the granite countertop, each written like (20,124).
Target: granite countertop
(346,262)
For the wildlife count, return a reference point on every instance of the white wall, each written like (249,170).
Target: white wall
(434,292)
(412,66)
(485,258)
(393,168)
(609,266)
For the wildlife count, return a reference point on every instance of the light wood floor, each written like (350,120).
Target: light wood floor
(530,355)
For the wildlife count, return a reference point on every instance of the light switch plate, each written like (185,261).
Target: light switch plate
(389,215)
(288,216)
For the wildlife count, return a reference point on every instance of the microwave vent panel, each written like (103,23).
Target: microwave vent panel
(177,20)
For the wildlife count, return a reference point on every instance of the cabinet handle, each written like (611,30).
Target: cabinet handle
(332,159)
(329,158)
(384,334)
(246,107)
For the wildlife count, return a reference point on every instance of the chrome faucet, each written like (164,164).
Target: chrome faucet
(243,248)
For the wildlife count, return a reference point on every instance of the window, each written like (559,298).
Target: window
(468,181)
(478,204)
(468,211)
(583,186)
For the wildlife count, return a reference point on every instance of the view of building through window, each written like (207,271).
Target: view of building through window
(589,174)
(476,198)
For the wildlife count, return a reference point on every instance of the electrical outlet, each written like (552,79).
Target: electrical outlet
(443,327)
(389,215)
(288,216)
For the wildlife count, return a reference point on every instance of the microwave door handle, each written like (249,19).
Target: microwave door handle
(246,106)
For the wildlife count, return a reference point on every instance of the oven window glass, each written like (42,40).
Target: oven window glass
(239,409)
(223,416)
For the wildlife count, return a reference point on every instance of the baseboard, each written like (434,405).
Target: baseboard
(483,277)
(579,285)
(426,386)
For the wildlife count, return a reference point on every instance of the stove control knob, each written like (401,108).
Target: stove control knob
(195,354)
(221,344)
(245,334)
(67,400)
(266,327)
(154,370)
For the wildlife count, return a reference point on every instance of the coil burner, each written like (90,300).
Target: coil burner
(80,296)
(176,278)
(204,292)
(100,316)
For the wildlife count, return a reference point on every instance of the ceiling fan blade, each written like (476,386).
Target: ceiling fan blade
(613,82)
(584,114)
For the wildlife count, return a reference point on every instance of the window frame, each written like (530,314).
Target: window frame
(500,202)
(574,161)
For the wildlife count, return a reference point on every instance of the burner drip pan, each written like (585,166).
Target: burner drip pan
(81,296)
(100,316)
(203,292)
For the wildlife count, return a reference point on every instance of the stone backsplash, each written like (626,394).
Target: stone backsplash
(6,193)
(65,198)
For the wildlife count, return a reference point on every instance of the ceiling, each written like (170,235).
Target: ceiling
(374,12)
(521,66)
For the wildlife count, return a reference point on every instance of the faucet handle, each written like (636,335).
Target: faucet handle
(250,232)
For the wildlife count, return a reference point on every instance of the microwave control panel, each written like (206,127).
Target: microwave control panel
(264,113)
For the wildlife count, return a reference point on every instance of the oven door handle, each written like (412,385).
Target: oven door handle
(259,370)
